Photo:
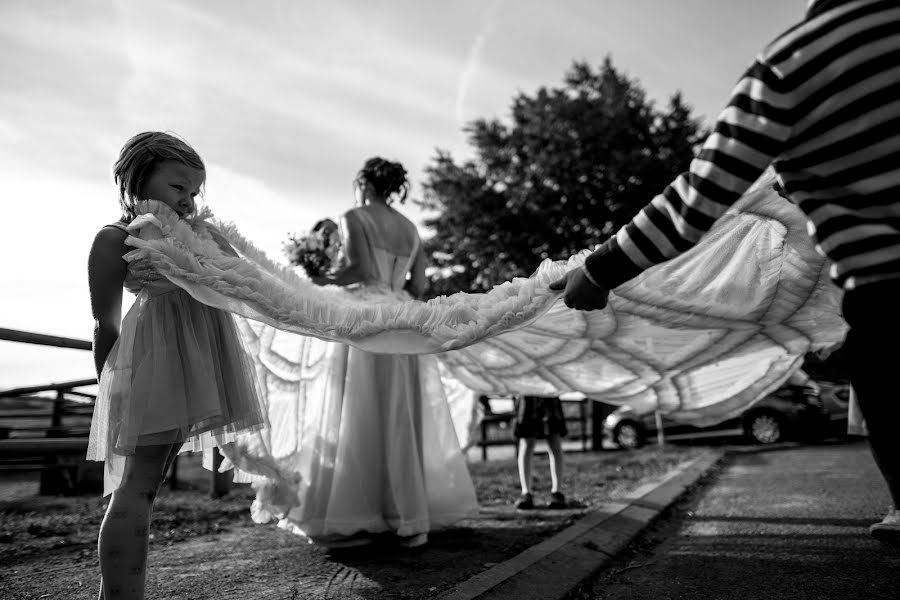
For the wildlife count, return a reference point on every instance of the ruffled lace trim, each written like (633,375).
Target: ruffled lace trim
(258,288)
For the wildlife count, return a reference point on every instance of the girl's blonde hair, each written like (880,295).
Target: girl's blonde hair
(139,158)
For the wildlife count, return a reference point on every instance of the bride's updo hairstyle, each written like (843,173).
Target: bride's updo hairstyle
(139,158)
(387,178)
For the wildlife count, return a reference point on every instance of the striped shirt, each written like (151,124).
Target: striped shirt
(821,104)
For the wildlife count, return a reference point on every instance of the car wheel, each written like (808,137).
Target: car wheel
(628,435)
(764,427)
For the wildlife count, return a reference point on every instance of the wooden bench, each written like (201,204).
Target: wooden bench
(54,442)
(68,442)
(61,462)
(50,435)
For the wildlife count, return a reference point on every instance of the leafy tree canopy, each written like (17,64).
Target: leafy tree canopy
(572,165)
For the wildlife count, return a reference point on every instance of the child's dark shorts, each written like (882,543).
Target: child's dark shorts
(538,417)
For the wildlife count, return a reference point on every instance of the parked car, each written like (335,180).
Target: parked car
(809,410)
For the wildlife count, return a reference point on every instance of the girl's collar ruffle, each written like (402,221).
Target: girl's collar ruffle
(156,219)
(162,210)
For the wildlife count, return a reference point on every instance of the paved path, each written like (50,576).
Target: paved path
(781,523)
(501,554)
(791,523)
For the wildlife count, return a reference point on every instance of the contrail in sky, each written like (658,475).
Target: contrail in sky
(472,63)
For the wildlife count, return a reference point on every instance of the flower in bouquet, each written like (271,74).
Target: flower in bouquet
(317,252)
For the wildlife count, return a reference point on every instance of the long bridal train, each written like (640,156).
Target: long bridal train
(356,441)
(700,337)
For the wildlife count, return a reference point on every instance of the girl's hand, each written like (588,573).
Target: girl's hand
(142,270)
(140,274)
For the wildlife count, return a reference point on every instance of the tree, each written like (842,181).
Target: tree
(574,164)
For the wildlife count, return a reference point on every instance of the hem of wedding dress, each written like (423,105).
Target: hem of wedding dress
(322,529)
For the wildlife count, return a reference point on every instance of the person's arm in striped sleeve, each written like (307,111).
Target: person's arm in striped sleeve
(749,133)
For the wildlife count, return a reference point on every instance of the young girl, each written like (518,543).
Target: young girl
(174,377)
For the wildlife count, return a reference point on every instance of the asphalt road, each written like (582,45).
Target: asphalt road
(787,523)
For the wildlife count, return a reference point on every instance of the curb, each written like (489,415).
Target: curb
(554,568)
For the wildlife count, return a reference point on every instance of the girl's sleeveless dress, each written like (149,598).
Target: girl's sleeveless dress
(178,374)
(367,439)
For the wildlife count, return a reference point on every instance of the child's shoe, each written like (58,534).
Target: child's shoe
(557,500)
(888,531)
(525,502)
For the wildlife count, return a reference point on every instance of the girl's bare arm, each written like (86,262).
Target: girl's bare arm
(106,275)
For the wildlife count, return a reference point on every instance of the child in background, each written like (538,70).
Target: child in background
(539,418)
(173,374)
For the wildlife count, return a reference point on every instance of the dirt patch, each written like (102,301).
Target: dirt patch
(203,548)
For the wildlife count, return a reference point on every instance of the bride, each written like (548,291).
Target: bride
(379,451)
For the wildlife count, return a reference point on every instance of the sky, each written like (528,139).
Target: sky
(285,100)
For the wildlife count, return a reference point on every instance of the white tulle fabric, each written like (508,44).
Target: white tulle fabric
(357,441)
(702,334)
(701,337)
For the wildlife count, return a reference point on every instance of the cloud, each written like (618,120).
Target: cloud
(474,59)
(262,214)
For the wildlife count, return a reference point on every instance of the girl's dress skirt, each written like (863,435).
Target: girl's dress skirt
(178,374)
(539,417)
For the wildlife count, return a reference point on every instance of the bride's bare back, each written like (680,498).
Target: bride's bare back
(384,246)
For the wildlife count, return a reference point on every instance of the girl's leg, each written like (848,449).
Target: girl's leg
(526,452)
(554,444)
(173,454)
(124,532)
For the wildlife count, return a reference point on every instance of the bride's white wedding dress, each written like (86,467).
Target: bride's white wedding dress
(361,442)
(700,337)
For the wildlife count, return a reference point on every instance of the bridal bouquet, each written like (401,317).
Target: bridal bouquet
(317,252)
